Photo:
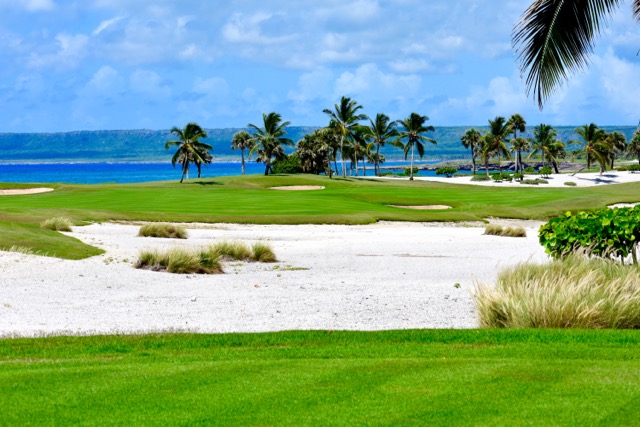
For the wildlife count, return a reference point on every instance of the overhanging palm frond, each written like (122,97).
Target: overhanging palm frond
(636,9)
(556,36)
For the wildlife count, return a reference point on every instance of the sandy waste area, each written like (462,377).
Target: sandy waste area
(371,277)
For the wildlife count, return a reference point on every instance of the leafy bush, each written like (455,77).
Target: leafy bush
(496,176)
(407,171)
(529,169)
(498,230)
(481,177)
(288,164)
(570,184)
(262,252)
(622,168)
(506,176)
(447,171)
(518,176)
(633,168)
(572,293)
(170,231)
(545,171)
(180,261)
(603,233)
(58,223)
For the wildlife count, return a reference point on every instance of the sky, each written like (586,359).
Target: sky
(70,65)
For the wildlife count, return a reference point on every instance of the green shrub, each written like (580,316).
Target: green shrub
(572,293)
(232,249)
(170,231)
(506,176)
(496,176)
(447,171)
(529,169)
(58,223)
(545,171)
(407,171)
(633,168)
(536,181)
(622,168)
(288,164)
(603,233)
(498,230)
(480,177)
(518,176)
(570,183)
(262,252)
(180,261)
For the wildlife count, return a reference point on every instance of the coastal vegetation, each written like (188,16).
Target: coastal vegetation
(242,141)
(269,140)
(412,132)
(59,223)
(170,231)
(190,148)
(499,230)
(575,292)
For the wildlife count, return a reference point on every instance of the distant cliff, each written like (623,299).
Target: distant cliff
(148,145)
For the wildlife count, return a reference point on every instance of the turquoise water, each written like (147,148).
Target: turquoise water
(98,173)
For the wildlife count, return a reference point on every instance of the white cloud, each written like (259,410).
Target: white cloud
(246,29)
(70,51)
(106,24)
(150,84)
(369,81)
(214,86)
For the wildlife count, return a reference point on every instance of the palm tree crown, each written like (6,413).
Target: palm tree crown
(379,132)
(472,140)
(411,130)
(556,36)
(190,149)
(343,119)
(595,145)
(495,140)
(270,138)
(242,140)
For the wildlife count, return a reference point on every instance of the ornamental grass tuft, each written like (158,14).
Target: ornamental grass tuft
(262,252)
(58,223)
(180,261)
(170,231)
(498,230)
(576,292)
(234,250)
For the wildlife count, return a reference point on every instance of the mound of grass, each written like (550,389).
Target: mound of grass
(234,250)
(180,261)
(570,184)
(498,230)
(262,252)
(574,293)
(58,223)
(170,231)
(536,181)
(480,178)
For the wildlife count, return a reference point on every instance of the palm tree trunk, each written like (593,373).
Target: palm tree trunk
(473,161)
(266,168)
(377,167)
(411,171)
(242,156)
(344,168)
(364,168)
(517,164)
(486,164)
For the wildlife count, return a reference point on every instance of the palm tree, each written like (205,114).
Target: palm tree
(618,143)
(555,37)
(242,140)
(190,149)
(269,139)
(472,139)
(556,152)
(344,118)
(495,141)
(544,137)
(313,151)
(634,145)
(412,130)
(518,145)
(517,123)
(379,132)
(595,145)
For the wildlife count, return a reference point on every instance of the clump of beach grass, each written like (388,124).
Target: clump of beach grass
(235,250)
(180,261)
(170,231)
(498,230)
(576,292)
(21,250)
(262,252)
(58,223)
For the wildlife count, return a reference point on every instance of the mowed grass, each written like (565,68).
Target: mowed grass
(248,199)
(445,377)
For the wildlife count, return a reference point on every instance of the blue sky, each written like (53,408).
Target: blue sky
(132,64)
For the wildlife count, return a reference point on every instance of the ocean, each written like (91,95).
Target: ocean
(122,173)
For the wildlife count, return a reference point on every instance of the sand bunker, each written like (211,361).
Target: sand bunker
(624,205)
(20,191)
(423,207)
(299,187)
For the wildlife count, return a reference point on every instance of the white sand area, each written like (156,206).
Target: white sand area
(373,277)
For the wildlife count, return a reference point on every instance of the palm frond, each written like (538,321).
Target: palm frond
(554,37)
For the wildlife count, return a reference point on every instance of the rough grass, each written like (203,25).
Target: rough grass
(180,261)
(498,230)
(262,252)
(234,250)
(58,223)
(574,293)
(170,231)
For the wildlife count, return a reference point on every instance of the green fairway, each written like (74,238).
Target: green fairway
(480,377)
(249,199)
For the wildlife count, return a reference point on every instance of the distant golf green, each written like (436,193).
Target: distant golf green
(249,199)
